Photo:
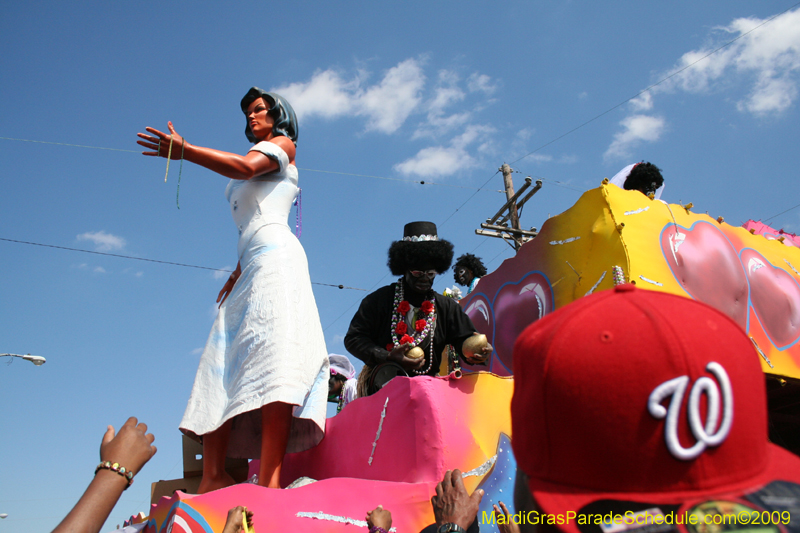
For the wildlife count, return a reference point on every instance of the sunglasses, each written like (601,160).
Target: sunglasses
(430,274)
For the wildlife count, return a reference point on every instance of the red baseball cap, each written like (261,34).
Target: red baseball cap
(647,403)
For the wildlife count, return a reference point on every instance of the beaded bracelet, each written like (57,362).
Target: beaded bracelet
(115,467)
(376,529)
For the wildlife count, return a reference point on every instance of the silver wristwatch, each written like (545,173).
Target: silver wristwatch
(450,527)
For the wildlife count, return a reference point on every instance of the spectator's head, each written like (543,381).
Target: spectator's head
(341,370)
(467,268)
(648,402)
(645,178)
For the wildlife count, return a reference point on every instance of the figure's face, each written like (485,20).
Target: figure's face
(334,389)
(260,121)
(420,280)
(465,275)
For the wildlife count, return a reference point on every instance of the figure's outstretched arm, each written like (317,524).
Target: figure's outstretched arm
(131,448)
(234,166)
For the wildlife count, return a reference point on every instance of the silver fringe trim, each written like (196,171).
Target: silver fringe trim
(333,518)
(565,241)
(481,470)
(378,434)
(596,284)
(637,211)
(651,281)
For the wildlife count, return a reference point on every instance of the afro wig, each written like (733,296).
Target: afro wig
(644,177)
(471,262)
(405,255)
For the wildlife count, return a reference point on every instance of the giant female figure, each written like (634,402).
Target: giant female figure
(264,371)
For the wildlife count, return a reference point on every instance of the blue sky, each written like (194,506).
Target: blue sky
(388,95)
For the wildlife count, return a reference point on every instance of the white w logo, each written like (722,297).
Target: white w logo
(705,434)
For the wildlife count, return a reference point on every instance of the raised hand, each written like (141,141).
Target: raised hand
(507,525)
(379,517)
(452,504)
(132,447)
(235,521)
(159,142)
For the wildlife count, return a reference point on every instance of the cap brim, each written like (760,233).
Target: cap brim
(563,501)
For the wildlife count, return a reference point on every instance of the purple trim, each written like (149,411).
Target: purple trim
(299,217)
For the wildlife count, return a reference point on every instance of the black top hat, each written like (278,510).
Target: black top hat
(420,231)
(420,248)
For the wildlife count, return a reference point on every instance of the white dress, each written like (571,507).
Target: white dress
(266,344)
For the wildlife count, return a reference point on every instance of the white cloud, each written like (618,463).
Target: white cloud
(769,58)
(389,103)
(438,161)
(540,158)
(99,270)
(643,102)
(636,128)
(770,95)
(481,83)
(386,105)
(197,351)
(327,95)
(445,94)
(103,242)
(139,274)
(524,134)
(223,272)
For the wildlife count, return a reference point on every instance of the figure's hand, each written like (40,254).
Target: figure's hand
(228,287)
(398,355)
(482,357)
(132,447)
(379,517)
(234,523)
(479,356)
(508,526)
(452,504)
(159,142)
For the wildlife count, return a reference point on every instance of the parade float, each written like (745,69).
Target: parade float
(392,448)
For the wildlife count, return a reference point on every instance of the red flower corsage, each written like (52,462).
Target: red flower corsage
(427,306)
(419,325)
(389,347)
(401,328)
(404,307)
(407,339)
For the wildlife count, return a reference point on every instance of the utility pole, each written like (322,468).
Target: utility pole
(499,227)
(508,181)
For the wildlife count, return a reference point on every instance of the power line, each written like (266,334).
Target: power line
(656,84)
(154,260)
(468,199)
(419,182)
(73,145)
(623,103)
(782,212)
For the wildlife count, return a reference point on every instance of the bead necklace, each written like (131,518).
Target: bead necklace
(422,327)
(341,401)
